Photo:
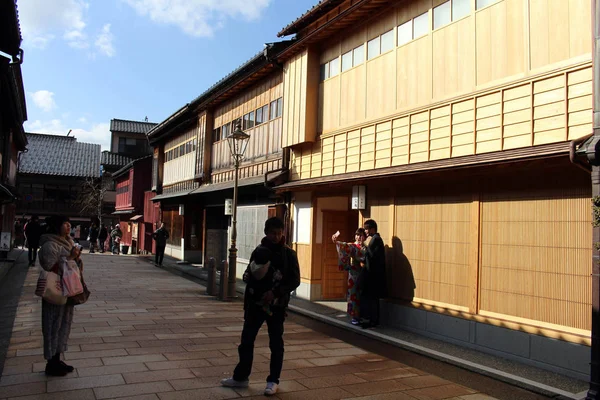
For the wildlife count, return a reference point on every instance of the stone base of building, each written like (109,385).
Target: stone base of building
(565,358)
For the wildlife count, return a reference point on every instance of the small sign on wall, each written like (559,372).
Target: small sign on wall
(228,206)
(181,209)
(5,241)
(359,200)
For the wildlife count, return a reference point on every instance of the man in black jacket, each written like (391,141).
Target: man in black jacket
(286,271)
(160,236)
(33,232)
(372,279)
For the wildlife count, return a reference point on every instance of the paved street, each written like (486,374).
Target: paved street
(146,334)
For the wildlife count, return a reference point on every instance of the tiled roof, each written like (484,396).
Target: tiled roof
(123,125)
(114,159)
(60,155)
(319,9)
(127,167)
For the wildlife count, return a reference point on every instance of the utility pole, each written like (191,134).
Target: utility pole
(593,155)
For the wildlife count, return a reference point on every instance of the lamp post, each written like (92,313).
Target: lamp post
(238,141)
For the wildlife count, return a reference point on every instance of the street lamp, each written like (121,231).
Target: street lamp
(238,141)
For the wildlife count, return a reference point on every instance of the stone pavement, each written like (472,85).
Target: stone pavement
(146,334)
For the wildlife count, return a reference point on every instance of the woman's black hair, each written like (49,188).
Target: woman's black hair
(361,232)
(54,223)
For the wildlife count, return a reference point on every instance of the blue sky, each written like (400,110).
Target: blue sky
(88,61)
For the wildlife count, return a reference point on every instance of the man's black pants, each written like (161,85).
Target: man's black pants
(160,254)
(32,252)
(254,317)
(369,308)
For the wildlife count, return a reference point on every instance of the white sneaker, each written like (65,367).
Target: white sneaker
(271,388)
(230,382)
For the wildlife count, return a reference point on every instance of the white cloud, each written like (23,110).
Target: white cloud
(44,99)
(83,120)
(198,17)
(77,39)
(41,20)
(97,133)
(104,41)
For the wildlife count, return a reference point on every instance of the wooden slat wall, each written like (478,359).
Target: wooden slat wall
(266,138)
(511,39)
(300,98)
(551,108)
(434,233)
(535,256)
(247,170)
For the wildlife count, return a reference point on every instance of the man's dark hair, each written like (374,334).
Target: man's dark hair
(273,223)
(371,224)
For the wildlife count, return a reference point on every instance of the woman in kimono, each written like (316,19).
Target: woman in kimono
(57,319)
(350,258)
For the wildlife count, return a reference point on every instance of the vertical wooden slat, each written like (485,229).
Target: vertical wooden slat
(474,254)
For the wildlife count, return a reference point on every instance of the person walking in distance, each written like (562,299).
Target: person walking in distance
(372,279)
(93,237)
(160,236)
(116,234)
(33,232)
(102,236)
(284,264)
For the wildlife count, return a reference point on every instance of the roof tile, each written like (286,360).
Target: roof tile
(123,125)
(60,155)
(114,159)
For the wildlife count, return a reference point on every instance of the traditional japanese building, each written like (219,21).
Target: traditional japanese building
(194,172)
(52,174)
(452,122)
(128,138)
(13,113)
(131,183)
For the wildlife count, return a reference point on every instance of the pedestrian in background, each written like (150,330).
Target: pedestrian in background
(102,236)
(160,236)
(284,263)
(33,232)
(116,234)
(57,319)
(93,237)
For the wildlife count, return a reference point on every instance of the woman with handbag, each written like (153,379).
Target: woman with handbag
(57,319)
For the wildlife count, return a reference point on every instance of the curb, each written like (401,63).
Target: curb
(512,379)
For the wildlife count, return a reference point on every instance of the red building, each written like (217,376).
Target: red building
(131,182)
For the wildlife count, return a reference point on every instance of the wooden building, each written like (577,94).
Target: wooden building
(13,112)
(457,117)
(128,138)
(194,169)
(51,177)
(131,183)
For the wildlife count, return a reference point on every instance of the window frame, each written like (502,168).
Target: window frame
(490,3)
(354,62)
(279,111)
(348,55)
(273,110)
(369,56)
(334,61)
(393,45)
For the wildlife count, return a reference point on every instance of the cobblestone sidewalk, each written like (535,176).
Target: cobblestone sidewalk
(146,334)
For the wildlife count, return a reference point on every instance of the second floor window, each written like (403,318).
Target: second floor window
(133,147)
